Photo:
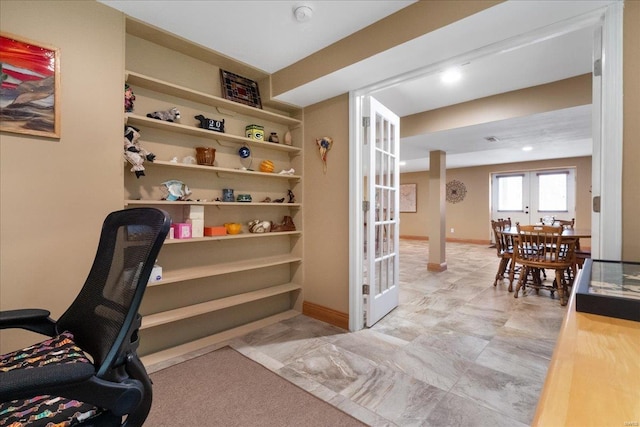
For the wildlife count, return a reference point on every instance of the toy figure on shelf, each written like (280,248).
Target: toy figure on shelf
(176,190)
(129,97)
(134,153)
(170,115)
(292,197)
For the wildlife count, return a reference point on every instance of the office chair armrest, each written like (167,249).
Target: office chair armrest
(31,319)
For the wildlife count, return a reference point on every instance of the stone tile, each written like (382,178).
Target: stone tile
(453,342)
(455,411)
(332,367)
(430,365)
(398,397)
(286,345)
(481,327)
(507,394)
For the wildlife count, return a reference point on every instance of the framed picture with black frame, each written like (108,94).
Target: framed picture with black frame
(240,89)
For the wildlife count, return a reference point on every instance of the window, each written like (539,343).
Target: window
(510,193)
(552,192)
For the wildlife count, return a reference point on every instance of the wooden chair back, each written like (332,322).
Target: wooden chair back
(504,242)
(565,223)
(542,246)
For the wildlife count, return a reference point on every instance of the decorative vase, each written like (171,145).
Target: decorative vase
(205,155)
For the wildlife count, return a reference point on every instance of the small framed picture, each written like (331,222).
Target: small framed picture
(240,89)
(30,102)
(408,197)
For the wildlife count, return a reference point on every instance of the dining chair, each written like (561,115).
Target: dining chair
(543,247)
(580,255)
(504,250)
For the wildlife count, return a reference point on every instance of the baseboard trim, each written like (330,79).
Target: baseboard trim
(451,239)
(325,314)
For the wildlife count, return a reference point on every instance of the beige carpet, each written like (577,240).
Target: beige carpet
(225,388)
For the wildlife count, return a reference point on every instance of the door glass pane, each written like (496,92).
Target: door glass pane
(510,193)
(552,192)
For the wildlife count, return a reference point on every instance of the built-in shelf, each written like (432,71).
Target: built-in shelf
(281,251)
(219,170)
(141,80)
(183,274)
(214,203)
(159,360)
(137,120)
(153,320)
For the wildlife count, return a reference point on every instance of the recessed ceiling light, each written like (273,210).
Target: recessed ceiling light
(451,75)
(527,148)
(403,163)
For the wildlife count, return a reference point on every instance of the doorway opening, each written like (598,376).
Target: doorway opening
(607,126)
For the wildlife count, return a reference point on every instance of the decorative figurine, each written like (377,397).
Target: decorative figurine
(289,172)
(292,197)
(258,226)
(170,115)
(129,97)
(245,157)
(273,137)
(134,153)
(176,190)
(287,138)
(266,166)
(286,225)
(210,124)
(324,145)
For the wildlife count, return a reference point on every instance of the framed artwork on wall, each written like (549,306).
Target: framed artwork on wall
(408,197)
(240,89)
(30,82)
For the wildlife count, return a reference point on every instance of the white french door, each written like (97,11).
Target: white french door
(381,181)
(528,196)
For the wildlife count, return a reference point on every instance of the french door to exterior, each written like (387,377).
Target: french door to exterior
(381,137)
(528,196)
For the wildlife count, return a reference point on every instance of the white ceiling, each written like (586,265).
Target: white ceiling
(248,30)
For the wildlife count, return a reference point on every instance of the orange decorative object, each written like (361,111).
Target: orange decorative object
(215,231)
(233,227)
(266,166)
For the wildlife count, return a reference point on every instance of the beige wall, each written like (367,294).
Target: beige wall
(630,168)
(470,218)
(55,193)
(326,206)
(518,103)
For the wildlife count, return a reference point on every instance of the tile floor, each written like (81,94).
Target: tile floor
(456,351)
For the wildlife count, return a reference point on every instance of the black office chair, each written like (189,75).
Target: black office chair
(88,373)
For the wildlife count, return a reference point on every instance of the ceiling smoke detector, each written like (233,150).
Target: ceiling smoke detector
(303,13)
(492,138)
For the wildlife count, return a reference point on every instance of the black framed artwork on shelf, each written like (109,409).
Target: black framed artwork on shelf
(240,89)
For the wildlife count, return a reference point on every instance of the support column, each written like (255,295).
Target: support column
(436,211)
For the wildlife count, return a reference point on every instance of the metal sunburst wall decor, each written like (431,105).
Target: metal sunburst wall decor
(456,191)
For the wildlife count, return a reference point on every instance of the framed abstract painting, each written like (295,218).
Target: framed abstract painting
(29,87)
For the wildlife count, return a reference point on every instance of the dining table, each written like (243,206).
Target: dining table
(577,233)
(568,233)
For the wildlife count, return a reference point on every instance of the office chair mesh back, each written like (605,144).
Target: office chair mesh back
(111,295)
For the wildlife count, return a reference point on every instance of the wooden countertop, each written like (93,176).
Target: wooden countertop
(594,374)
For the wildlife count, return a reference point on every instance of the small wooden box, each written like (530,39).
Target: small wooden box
(215,231)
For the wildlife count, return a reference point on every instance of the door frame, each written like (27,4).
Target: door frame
(606,226)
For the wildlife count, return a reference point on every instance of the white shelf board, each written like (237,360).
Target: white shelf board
(181,275)
(182,313)
(141,80)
